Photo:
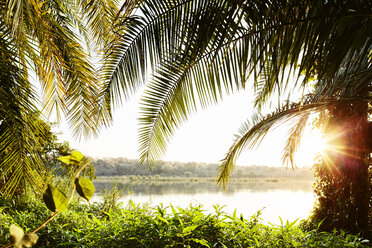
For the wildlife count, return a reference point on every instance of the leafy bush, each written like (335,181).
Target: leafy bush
(96,225)
(336,202)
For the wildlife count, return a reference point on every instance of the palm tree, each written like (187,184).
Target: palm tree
(189,53)
(40,40)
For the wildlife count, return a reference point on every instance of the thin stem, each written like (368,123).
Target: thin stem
(51,217)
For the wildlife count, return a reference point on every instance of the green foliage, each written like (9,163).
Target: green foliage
(20,154)
(137,226)
(49,150)
(335,204)
(343,173)
(40,49)
(200,50)
(55,200)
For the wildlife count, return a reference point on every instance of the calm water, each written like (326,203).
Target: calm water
(289,200)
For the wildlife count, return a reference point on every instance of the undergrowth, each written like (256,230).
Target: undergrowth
(114,225)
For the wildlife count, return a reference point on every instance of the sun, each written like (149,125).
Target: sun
(312,144)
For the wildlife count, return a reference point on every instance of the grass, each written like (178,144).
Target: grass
(109,224)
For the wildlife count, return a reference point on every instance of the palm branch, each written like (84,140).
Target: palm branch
(50,39)
(196,51)
(19,160)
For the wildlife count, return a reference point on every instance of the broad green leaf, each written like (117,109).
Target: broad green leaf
(65,159)
(54,199)
(85,187)
(74,158)
(78,156)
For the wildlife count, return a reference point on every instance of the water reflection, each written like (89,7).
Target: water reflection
(289,200)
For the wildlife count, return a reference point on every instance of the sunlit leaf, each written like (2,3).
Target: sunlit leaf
(189,229)
(75,158)
(76,155)
(55,199)
(85,188)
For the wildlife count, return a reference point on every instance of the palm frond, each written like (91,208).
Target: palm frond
(175,93)
(252,132)
(43,36)
(294,140)
(99,18)
(350,79)
(162,32)
(276,39)
(164,105)
(46,35)
(19,160)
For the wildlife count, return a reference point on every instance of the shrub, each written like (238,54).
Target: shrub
(85,225)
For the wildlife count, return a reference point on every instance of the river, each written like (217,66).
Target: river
(290,200)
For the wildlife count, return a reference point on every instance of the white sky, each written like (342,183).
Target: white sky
(205,137)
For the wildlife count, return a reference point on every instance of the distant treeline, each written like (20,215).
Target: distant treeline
(128,167)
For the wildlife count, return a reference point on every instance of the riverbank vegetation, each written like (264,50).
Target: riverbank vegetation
(109,224)
(166,169)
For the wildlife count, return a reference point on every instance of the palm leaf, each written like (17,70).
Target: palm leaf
(42,37)
(187,42)
(252,132)
(19,158)
(294,140)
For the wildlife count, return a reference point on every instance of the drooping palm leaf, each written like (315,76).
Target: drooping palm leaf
(158,35)
(254,130)
(60,60)
(19,161)
(294,140)
(43,37)
(276,39)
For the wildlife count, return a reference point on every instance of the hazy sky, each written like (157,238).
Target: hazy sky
(205,137)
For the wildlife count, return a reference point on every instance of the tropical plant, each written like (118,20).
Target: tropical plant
(55,200)
(40,42)
(190,53)
(47,148)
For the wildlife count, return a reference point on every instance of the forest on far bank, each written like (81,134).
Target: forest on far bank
(127,167)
